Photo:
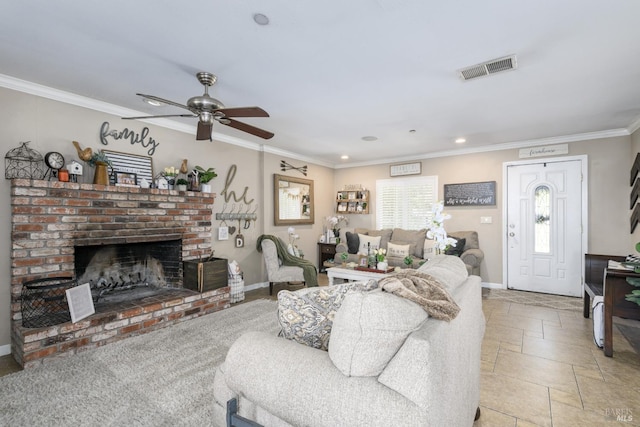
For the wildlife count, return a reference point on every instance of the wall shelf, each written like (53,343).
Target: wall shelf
(352,202)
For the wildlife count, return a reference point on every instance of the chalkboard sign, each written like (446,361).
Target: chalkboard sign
(470,194)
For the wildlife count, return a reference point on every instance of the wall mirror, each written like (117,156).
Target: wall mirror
(292,200)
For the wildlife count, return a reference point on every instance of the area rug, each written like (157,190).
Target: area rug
(557,302)
(163,378)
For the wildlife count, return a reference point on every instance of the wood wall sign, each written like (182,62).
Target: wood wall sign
(470,194)
(405,169)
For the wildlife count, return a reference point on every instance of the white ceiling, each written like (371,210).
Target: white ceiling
(330,72)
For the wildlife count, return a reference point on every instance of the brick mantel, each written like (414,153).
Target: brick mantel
(50,218)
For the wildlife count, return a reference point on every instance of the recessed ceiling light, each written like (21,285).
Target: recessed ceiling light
(369,138)
(460,141)
(261,19)
(412,131)
(152,102)
(345,157)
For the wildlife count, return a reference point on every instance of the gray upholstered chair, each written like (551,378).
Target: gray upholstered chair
(278,273)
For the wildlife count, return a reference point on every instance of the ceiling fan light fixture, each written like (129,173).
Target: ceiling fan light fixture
(460,140)
(152,102)
(369,138)
(206,117)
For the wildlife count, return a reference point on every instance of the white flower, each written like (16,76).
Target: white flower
(436,231)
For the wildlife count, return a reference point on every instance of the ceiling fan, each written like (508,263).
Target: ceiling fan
(208,110)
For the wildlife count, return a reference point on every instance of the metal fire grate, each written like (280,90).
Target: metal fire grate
(44,302)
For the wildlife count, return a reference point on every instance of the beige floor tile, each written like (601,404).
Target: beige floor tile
(593,372)
(515,321)
(486,366)
(569,416)
(505,346)
(569,336)
(620,369)
(533,334)
(535,312)
(603,396)
(491,418)
(503,334)
(489,350)
(525,423)
(537,370)
(558,351)
(571,399)
(517,398)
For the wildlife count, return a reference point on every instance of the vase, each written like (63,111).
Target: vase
(382,265)
(101,176)
(205,188)
(182,187)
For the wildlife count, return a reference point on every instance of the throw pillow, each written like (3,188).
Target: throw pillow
(450,271)
(398,250)
(368,243)
(306,316)
(457,249)
(353,242)
(369,329)
(429,248)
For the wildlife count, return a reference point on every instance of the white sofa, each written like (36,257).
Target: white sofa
(433,379)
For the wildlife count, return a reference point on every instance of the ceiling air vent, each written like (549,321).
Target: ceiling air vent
(489,67)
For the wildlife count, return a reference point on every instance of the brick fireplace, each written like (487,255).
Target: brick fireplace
(55,222)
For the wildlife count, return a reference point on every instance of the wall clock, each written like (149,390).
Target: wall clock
(55,162)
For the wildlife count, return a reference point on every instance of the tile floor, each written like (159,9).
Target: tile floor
(540,368)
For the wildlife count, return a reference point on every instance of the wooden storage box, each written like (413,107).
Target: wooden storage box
(205,275)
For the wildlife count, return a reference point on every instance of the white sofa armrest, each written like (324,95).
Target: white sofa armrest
(301,386)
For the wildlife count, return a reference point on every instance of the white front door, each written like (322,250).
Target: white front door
(544,227)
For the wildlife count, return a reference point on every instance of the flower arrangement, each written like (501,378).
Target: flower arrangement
(170,172)
(333,222)
(292,248)
(99,157)
(380,254)
(435,229)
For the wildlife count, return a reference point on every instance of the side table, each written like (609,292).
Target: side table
(326,251)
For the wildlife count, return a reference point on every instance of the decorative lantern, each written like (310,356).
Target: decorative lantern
(23,162)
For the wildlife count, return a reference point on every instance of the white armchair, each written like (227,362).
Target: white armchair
(278,273)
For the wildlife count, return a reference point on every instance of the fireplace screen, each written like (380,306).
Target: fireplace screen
(111,269)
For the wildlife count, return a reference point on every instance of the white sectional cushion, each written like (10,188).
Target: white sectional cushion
(449,270)
(368,330)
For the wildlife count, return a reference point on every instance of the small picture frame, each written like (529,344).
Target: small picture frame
(363,261)
(223,233)
(126,179)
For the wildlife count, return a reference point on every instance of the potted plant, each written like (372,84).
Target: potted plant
(204,176)
(408,261)
(182,184)
(381,259)
(100,161)
(344,256)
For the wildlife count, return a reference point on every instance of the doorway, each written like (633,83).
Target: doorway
(545,240)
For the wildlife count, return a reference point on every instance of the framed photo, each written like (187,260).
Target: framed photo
(223,233)
(406,169)
(142,166)
(126,179)
(362,261)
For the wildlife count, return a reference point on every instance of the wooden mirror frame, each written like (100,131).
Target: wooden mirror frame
(277,179)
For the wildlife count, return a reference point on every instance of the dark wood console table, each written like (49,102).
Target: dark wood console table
(615,289)
(326,251)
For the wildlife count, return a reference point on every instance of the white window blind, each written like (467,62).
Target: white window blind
(405,202)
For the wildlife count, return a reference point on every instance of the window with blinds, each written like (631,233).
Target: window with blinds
(405,202)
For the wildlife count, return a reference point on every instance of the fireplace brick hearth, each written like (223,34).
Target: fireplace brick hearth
(51,219)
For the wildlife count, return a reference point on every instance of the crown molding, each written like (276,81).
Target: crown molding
(105,107)
(497,147)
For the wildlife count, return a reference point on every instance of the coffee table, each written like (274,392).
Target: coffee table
(352,274)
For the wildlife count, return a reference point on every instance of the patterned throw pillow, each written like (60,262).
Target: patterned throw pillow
(368,243)
(397,250)
(307,317)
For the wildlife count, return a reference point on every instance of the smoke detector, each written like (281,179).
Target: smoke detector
(489,67)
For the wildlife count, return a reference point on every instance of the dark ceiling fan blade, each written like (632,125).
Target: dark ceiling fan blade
(244,112)
(204,131)
(247,128)
(155,117)
(164,101)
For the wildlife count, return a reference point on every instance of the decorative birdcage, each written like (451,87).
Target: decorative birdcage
(23,162)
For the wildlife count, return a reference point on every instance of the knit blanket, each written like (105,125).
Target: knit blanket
(424,290)
(309,270)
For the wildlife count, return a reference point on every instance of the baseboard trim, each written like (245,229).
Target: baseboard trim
(490,285)
(5,349)
(256,286)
